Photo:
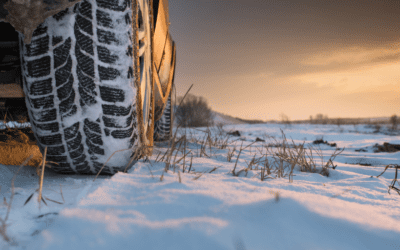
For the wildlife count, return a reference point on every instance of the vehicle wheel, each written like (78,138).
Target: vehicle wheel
(88,85)
(163,127)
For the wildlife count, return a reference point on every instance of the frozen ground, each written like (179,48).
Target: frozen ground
(350,209)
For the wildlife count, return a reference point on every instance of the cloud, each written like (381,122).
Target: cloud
(384,76)
(355,56)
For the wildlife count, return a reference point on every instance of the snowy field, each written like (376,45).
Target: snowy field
(208,208)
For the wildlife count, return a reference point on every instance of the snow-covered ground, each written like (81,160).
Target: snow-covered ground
(220,118)
(350,209)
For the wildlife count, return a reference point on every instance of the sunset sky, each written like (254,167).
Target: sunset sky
(256,59)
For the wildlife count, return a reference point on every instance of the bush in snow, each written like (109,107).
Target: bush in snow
(194,112)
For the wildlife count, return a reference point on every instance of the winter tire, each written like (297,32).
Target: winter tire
(163,127)
(88,85)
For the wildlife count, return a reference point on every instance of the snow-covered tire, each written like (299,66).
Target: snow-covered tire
(83,93)
(163,127)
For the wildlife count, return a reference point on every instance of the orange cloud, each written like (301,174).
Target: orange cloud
(354,55)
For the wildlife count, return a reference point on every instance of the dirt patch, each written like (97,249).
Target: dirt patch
(234,133)
(387,147)
(361,150)
(320,141)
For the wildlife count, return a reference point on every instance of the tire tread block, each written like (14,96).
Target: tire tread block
(84,42)
(85,9)
(111,94)
(54,139)
(94,148)
(42,102)
(57,158)
(63,72)
(40,30)
(61,53)
(86,82)
(85,63)
(71,112)
(56,40)
(162,127)
(98,166)
(53,127)
(38,46)
(104,19)
(93,137)
(116,110)
(39,67)
(65,91)
(71,131)
(78,160)
(106,56)
(122,134)
(77,152)
(45,115)
(107,37)
(113,4)
(84,168)
(108,73)
(113,123)
(84,24)
(63,168)
(74,143)
(92,126)
(86,99)
(42,87)
(56,150)
(68,104)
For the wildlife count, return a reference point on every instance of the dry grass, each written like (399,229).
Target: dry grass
(14,153)
(395,166)
(17,147)
(288,156)
(40,172)
(267,163)
(271,160)
(231,152)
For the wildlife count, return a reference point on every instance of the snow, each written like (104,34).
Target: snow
(225,119)
(350,209)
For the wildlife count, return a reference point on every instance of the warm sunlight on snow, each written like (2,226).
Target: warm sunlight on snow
(206,207)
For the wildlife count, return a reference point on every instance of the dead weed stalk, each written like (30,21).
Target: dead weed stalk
(295,155)
(395,178)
